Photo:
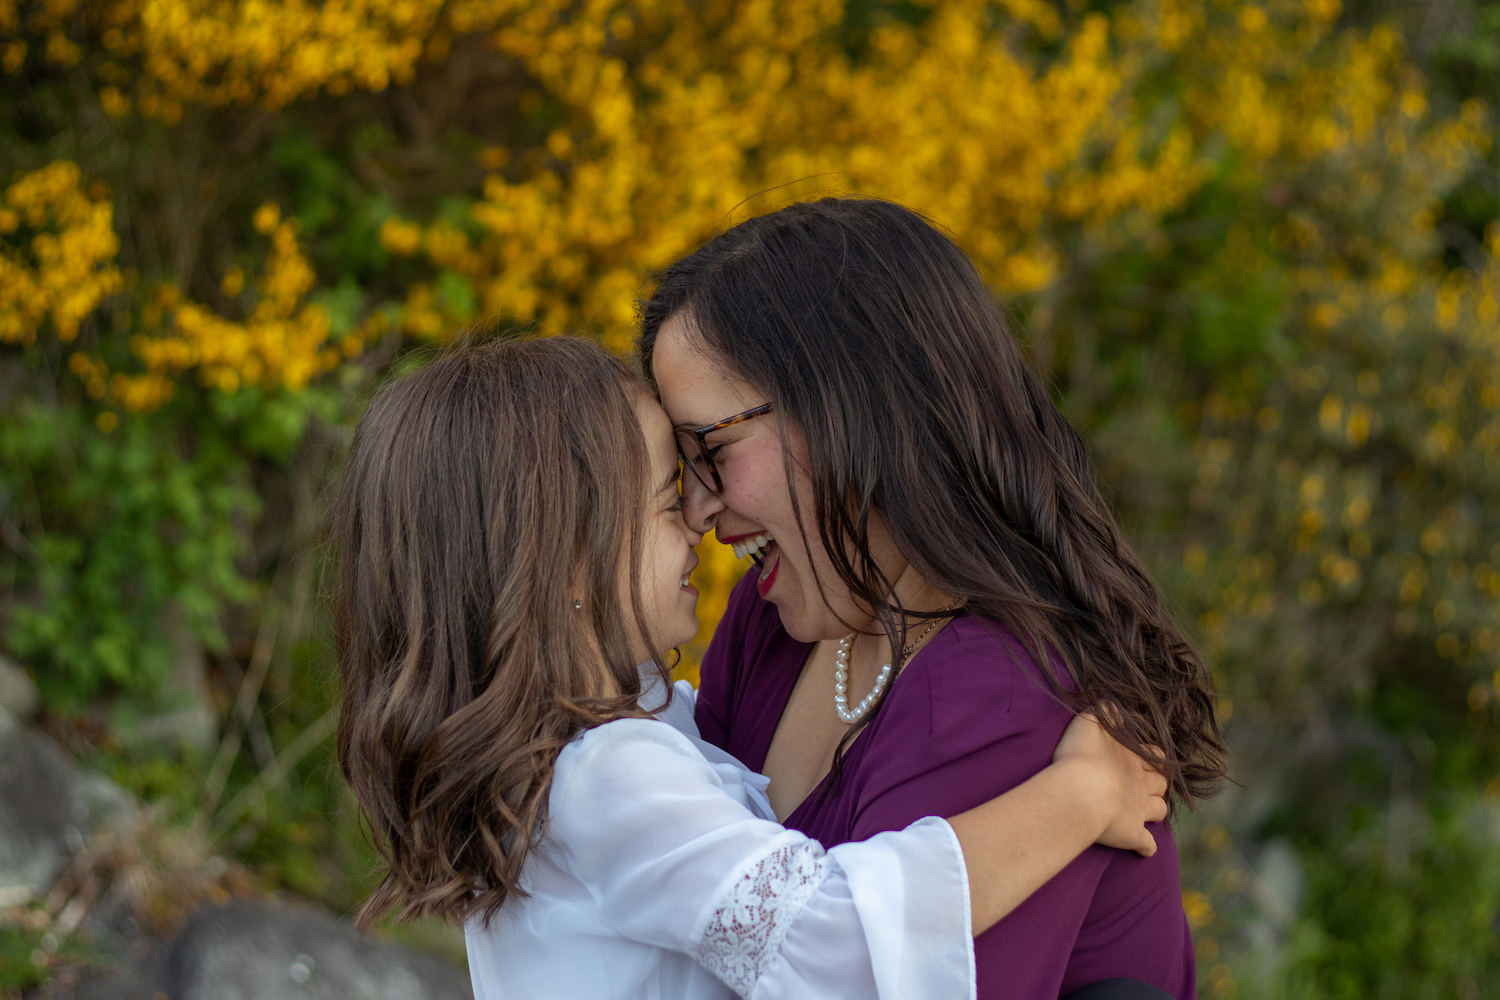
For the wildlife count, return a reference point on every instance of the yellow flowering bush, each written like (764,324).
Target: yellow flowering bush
(67,267)
(687,122)
(70,270)
(156,56)
(283,342)
(669,122)
(1310,482)
(1221,218)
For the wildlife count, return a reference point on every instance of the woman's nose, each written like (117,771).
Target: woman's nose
(699,505)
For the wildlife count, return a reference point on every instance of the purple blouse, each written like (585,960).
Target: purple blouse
(967,720)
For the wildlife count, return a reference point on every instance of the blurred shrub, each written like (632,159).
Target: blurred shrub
(1246,241)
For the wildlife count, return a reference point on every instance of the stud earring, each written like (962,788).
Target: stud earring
(577,605)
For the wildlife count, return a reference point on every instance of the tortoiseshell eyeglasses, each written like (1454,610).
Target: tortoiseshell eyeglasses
(697,454)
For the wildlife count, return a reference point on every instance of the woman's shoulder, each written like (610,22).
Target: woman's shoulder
(980,664)
(968,719)
(974,686)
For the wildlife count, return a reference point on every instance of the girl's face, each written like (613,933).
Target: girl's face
(756,499)
(669,603)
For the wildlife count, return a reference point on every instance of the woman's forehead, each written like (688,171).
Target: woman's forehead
(694,381)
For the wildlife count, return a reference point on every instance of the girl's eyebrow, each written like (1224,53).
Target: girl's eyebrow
(670,482)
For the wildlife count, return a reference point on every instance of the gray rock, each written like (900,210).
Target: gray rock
(107,802)
(18,694)
(48,806)
(43,812)
(253,951)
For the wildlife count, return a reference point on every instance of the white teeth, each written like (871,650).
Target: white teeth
(755,545)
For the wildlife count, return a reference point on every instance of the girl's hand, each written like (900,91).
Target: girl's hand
(1130,793)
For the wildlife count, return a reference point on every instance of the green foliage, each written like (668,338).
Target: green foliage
(1381,923)
(118,526)
(1305,447)
(27,955)
(171,779)
(18,971)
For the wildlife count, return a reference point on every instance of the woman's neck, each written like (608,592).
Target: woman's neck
(912,593)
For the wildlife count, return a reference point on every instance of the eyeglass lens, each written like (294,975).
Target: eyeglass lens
(697,461)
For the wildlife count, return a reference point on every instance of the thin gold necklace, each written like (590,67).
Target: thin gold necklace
(849,716)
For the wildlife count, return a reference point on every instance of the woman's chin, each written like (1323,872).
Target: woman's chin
(801,629)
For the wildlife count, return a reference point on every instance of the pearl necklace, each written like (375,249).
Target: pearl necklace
(850,716)
(841,685)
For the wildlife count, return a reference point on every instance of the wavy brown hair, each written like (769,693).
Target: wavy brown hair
(483,495)
(871,333)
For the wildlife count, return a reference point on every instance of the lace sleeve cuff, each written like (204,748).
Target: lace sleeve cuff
(755,908)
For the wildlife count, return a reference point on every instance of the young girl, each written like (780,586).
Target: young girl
(513,561)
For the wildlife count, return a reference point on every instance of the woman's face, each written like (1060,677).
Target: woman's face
(756,500)
(669,603)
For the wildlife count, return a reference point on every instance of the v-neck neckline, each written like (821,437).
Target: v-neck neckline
(820,791)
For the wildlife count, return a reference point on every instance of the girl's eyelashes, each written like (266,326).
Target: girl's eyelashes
(678,504)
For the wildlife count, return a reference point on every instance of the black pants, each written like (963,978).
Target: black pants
(1118,989)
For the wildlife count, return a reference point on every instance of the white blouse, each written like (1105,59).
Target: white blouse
(662,875)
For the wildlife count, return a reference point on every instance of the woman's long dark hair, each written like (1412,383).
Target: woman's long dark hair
(484,494)
(873,334)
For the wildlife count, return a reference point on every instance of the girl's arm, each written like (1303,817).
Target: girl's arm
(901,887)
(1095,791)
(671,860)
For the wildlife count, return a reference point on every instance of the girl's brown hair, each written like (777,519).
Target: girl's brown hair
(484,495)
(872,333)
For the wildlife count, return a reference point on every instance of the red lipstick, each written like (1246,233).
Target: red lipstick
(766,581)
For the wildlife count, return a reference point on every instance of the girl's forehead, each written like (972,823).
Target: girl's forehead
(656,428)
(652,415)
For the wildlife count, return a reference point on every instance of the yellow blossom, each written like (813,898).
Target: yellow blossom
(66,268)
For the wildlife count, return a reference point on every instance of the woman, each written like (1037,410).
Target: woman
(505,566)
(858,417)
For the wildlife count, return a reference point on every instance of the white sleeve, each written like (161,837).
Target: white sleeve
(907,892)
(671,860)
